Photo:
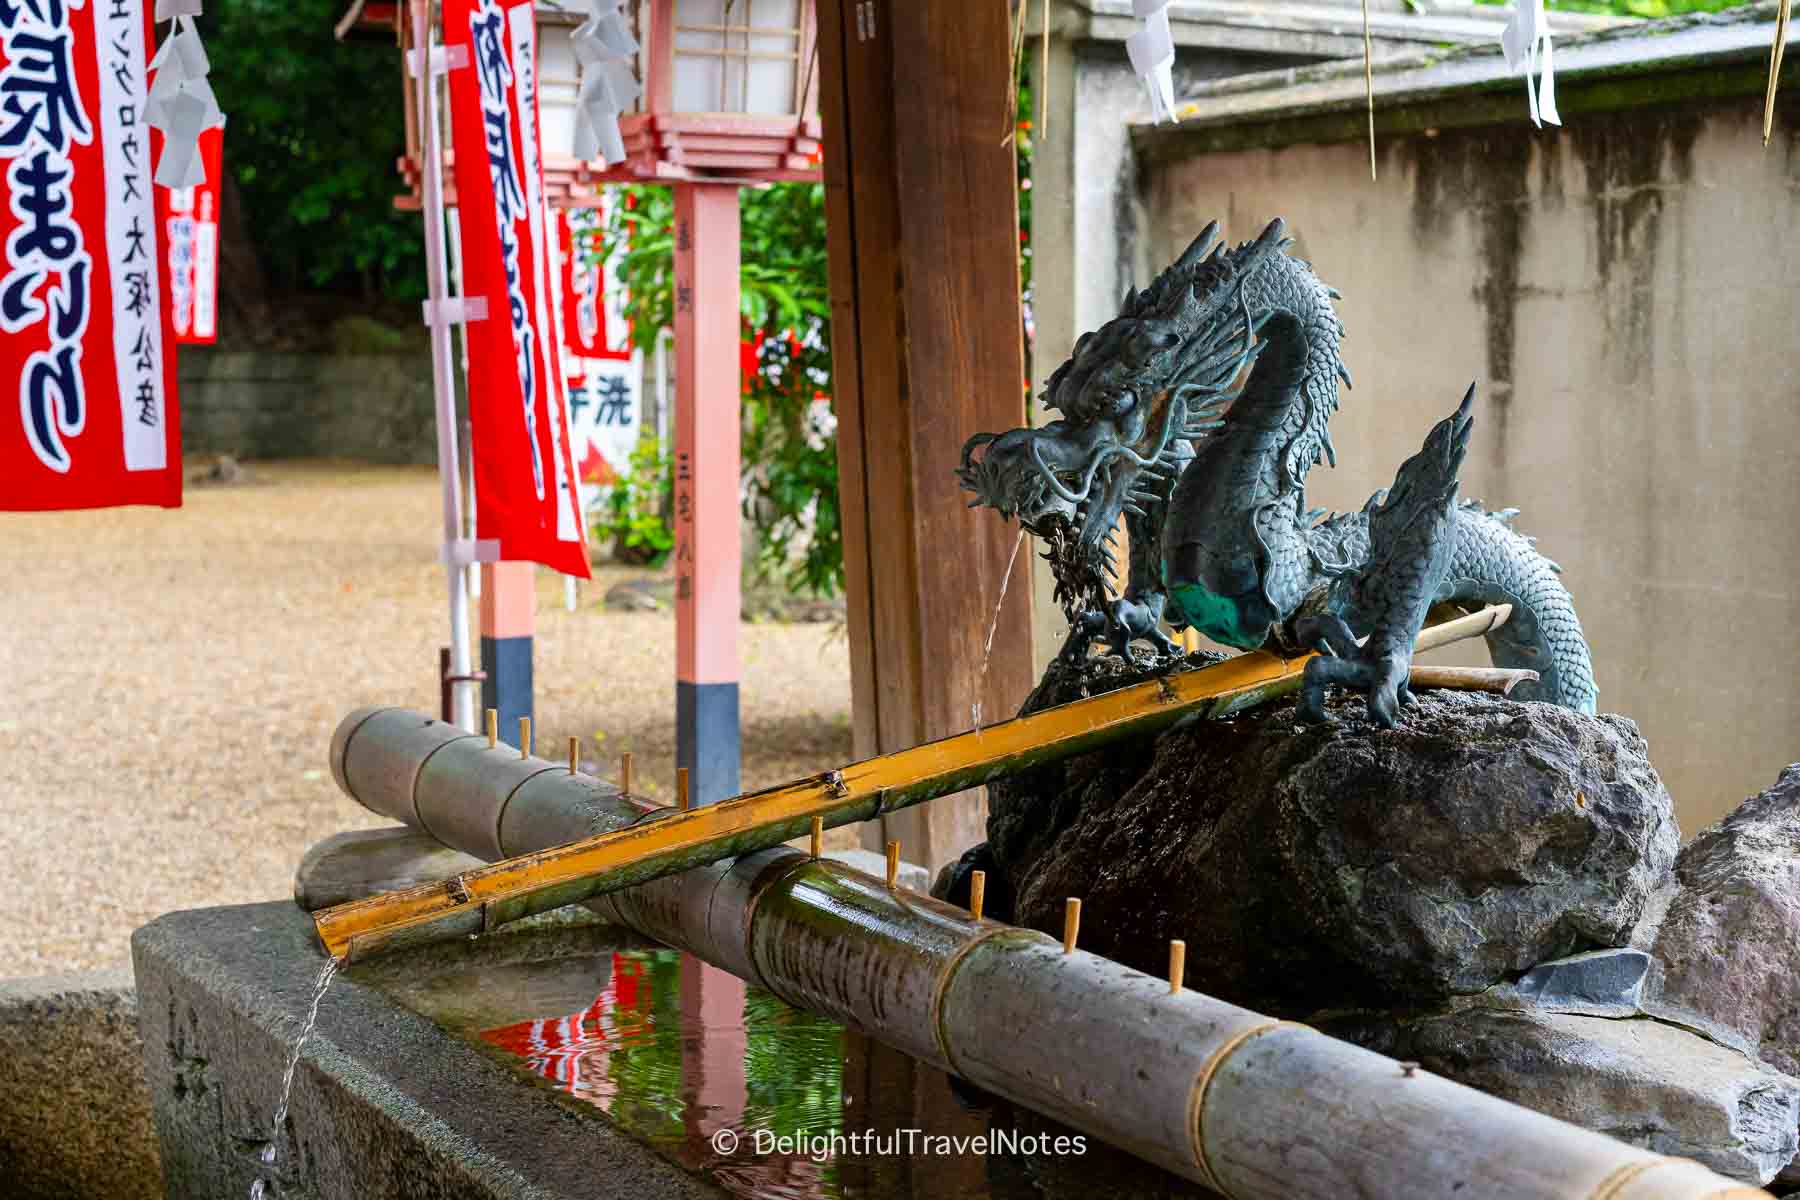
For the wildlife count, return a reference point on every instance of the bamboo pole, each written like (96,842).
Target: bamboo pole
(1252,1107)
(550,878)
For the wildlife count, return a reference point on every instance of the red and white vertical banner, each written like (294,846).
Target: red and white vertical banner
(518,410)
(85,339)
(604,378)
(193,227)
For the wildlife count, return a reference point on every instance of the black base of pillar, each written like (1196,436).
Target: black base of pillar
(706,739)
(507,687)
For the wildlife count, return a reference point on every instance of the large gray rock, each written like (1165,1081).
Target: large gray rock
(1729,944)
(1642,1081)
(1346,865)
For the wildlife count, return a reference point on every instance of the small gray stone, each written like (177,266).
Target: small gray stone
(627,597)
(1641,1081)
(1598,983)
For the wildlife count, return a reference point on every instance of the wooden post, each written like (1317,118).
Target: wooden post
(707,401)
(927,349)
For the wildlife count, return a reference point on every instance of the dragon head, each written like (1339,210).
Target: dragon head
(1132,394)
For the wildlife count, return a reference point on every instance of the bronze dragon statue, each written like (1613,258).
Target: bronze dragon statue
(1210,475)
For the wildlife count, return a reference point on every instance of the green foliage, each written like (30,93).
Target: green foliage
(315,129)
(789,443)
(637,508)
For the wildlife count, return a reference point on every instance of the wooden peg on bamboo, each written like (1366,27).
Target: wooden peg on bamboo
(893,865)
(681,789)
(1071,924)
(574,755)
(977,892)
(524,737)
(1177,964)
(493,726)
(625,774)
(818,838)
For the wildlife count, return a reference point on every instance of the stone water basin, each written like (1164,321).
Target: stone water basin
(763,1100)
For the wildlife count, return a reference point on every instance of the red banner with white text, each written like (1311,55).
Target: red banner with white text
(194,249)
(85,339)
(518,411)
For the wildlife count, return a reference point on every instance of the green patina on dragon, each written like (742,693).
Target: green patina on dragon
(1210,475)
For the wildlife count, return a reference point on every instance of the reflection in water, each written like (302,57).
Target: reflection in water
(677,1051)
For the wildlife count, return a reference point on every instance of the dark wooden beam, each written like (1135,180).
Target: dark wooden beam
(922,219)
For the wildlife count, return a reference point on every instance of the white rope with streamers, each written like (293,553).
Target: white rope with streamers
(605,48)
(1152,51)
(1526,42)
(181,103)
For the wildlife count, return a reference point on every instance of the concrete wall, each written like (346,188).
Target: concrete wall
(1624,292)
(372,407)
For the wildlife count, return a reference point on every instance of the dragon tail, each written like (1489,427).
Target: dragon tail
(1495,564)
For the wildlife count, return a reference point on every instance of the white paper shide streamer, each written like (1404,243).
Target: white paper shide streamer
(1152,51)
(1526,41)
(605,48)
(181,104)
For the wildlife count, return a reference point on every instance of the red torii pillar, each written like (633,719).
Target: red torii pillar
(708,397)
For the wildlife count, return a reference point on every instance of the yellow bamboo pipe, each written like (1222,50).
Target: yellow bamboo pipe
(1071,923)
(531,883)
(1177,964)
(493,727)
(893,865)
(818,837)
(977,893)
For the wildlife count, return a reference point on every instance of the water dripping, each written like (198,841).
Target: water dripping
(267,1157)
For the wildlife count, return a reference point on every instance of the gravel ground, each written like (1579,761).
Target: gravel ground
(173,678)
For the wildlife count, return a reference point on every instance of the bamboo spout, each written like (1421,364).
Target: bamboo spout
(550,878)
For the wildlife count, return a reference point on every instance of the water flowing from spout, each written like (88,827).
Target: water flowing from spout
(287,1079)
(987,651)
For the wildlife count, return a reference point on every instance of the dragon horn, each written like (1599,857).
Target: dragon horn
(1196,252)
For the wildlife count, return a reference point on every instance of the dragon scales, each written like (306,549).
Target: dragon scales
(1210,475)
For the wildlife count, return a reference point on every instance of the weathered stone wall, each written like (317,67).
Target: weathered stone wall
(268,404)
(74,1109)
(1624,292)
